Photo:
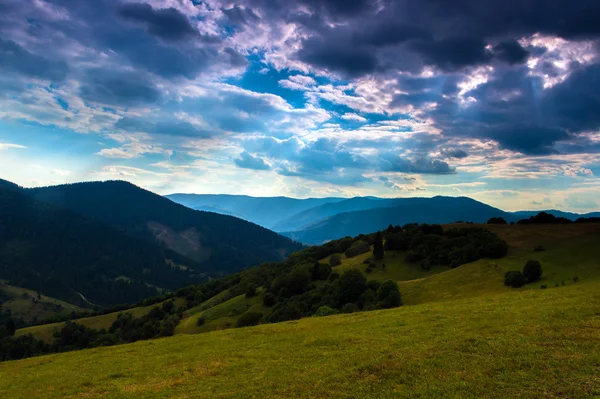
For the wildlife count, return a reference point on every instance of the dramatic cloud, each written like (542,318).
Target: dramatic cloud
(495,100)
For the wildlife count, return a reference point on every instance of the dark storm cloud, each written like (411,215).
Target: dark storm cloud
(510,51)
(575,104)
(119,88)
(168,23)
(370,36)
(161,41)
(247,161)
(338,56)
(240,16)
(17,60)
(454,153)
(454,53)
(420,165)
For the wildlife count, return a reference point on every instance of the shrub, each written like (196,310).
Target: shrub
(250,292)
(378,246)
(357,248)
(575,279)
(351,285)
(538,248)
(514,279)
(325,311)
(388,295)
(335,260)
(269,300)
(532,271)
(334,276)
(543,286)
(249,319)
(393,300)
(369,270)
(385,288)
(350,308)
(320,271)
(201,320)
(497,220)
(373,285)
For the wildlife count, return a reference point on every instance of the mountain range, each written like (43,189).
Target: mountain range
(316,220)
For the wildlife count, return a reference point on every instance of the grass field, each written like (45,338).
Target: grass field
(517,344)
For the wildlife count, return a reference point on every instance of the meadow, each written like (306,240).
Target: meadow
(527,343)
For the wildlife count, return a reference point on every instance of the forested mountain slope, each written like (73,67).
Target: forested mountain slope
(80,260)
(220,243)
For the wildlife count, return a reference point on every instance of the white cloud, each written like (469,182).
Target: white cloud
(6,146)
(353,117)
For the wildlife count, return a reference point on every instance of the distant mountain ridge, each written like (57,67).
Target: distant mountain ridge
(436,210)
(310,224)
(264,211)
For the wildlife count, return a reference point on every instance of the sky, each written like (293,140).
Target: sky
(495,100)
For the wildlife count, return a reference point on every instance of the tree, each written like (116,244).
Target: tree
(325,311)
(532,271)
(496,220)
(351,286)
(335,260)
(378,246)
(320,271)
(249,319)
(514,278)
(11,328)
(388,294)
(389,230)
(358,247)
(251,291)
(269,300)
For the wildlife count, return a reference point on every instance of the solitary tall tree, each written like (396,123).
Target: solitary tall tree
(378,247)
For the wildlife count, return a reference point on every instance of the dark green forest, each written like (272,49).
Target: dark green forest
(71,257)
(231,244)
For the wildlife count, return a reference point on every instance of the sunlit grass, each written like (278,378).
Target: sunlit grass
(518,344)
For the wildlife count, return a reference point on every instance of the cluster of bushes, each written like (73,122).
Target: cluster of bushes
(546,218)
(532,272)
(347,293)
(159,322)
(431,245)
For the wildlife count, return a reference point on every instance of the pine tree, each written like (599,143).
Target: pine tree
(378,247)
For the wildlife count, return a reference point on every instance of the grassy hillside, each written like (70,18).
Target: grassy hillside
(45,332)
(570,251)
(519,344)
(30,306)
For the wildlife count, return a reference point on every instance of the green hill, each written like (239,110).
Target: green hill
(518,344)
